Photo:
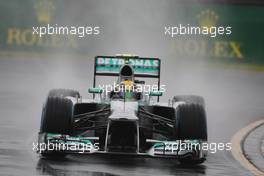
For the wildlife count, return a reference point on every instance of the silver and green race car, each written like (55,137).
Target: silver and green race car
(125,119)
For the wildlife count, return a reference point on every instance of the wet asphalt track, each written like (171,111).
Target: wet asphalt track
(234,99)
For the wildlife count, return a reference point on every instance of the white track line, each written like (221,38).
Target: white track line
(237,150)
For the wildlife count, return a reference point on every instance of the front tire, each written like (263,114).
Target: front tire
(191,124)
(57,118)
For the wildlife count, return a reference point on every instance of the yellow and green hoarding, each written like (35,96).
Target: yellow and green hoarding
(244,45)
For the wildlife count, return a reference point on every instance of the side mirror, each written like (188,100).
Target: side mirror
(95,90)
(155,93)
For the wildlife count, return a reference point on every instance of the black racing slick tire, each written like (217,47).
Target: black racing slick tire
(63,93)
(190,99)
(191,122)
(57,116)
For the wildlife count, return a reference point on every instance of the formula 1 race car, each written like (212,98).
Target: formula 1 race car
(126,119)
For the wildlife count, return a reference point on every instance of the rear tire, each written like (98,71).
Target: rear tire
(63,93)
(190,99)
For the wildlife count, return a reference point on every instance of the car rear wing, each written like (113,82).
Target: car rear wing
(143,67)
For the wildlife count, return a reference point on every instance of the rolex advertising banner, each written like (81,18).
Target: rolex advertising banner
(21,23)
(243,44)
